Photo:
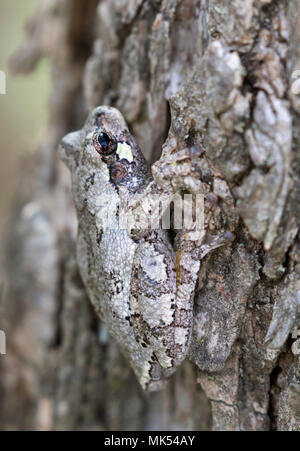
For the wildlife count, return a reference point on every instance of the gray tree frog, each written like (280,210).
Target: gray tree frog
(140,285)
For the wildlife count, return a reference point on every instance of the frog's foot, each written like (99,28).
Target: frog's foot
(213,242)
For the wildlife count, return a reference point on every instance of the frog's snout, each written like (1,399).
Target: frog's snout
(69,148)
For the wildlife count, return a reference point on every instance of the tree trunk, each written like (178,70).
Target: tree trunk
(216,76)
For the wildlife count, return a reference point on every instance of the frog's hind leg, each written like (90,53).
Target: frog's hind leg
(189,255)
(162,297)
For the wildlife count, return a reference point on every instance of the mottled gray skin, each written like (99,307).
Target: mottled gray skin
(131,277)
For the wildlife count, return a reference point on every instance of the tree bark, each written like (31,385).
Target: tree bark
(216,76)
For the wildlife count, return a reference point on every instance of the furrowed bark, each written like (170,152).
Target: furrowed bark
(216,76)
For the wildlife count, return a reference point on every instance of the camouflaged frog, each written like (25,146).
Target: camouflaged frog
(141,285)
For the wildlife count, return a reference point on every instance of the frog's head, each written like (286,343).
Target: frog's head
(105,146)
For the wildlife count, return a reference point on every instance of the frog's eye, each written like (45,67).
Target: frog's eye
(104,144)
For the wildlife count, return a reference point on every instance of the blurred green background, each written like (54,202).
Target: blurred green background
(23,110)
